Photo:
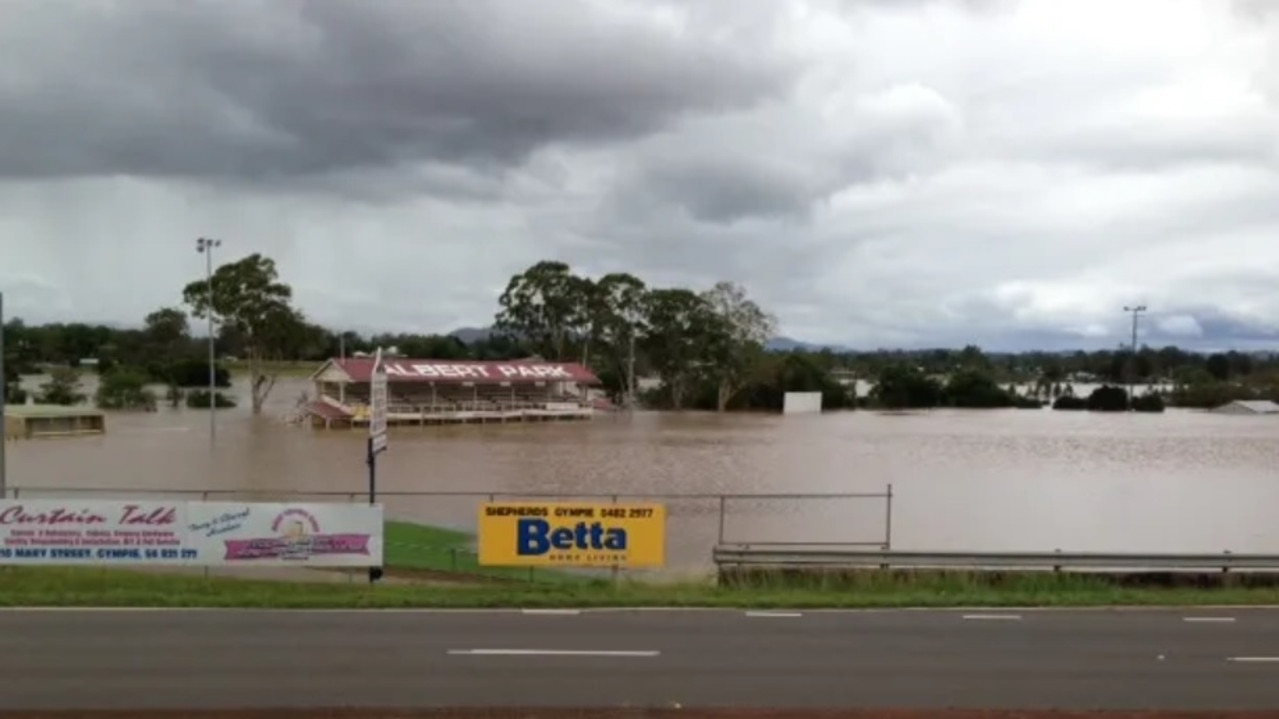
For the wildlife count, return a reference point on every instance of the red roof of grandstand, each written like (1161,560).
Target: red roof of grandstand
(359,369)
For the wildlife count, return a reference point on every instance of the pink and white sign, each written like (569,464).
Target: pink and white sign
(102,532)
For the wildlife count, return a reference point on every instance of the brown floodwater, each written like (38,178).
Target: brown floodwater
(979,480)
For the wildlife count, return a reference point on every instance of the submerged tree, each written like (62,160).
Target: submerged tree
(734,334)
(249,299)
(543,306)
(62,388)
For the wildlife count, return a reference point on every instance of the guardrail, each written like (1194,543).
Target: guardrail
(785,556)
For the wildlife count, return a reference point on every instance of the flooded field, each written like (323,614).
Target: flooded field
(992,480)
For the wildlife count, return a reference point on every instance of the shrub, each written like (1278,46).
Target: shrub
(1070,402)
(195,373)
(1150,402)
(62,388)
(199,399)
(125,388)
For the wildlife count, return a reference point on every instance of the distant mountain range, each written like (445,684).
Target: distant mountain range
(777,344)
(472,334)
(786,344)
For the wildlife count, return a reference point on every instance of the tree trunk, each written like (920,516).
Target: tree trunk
(260,385)
(677,392)
(726,392)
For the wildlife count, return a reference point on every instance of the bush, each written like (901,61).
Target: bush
(195,373)
(174,396)
(1021,402)
(125,388)
(62,388)
(199,399)
(12,383)
(1070,402)
(1108,398)
(1150,402)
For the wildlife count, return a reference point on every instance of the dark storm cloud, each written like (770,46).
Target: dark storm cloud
(288,87)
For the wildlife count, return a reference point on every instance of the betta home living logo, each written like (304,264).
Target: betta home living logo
(297,538)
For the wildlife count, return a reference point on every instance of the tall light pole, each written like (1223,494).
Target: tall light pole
(1135,311)
(205,246)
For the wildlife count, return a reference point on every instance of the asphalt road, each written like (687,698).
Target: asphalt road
(1113,659)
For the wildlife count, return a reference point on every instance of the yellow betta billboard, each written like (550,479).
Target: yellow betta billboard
(571,534)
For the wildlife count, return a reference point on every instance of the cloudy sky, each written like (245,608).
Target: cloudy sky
(876,173)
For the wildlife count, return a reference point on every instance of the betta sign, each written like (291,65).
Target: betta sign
(535,537)
(570,534)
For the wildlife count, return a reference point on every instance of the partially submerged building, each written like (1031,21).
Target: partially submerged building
(34,421)
(1248,406)
(424,391)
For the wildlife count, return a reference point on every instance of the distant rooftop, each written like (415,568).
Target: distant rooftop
(1253,406)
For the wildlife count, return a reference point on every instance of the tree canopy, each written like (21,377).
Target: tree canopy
(707,348)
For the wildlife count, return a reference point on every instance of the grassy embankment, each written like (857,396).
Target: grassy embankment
(433,555)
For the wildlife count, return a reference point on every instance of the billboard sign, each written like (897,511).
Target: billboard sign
(572,534)
(210,534)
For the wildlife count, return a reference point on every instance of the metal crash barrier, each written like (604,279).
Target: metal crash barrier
(777,556)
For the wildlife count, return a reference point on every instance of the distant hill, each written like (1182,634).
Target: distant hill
(787,344)
(472,334)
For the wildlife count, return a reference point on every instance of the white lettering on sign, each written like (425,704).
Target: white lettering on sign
(538,371)
(475,371)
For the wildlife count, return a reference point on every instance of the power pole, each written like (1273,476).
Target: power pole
(1135,311)
(205,246)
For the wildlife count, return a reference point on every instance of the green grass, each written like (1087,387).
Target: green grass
(69,587)
(426,549)
(426,555)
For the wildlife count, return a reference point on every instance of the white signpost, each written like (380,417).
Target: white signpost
(377,432)
(377,405)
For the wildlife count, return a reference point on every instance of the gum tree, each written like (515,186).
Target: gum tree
(249,299)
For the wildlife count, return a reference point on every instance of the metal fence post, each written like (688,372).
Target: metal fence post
(616,569)
(888,518)
(723,508)
(204,497)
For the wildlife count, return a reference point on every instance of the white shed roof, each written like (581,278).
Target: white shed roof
(1256,406)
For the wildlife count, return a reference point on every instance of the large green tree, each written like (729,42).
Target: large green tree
(166,329)
(679,327)
(249,300)
(733,335)
(543,306)
(619,318)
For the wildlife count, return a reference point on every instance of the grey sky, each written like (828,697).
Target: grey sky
(876,173)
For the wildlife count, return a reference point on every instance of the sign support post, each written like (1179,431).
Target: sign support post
(377,432)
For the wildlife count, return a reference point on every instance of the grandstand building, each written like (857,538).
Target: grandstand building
(425,392)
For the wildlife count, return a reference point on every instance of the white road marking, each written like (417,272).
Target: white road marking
(569,612)
(1224,620)
(553,653)
(1007,617)
(1252,659)
(774,614)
